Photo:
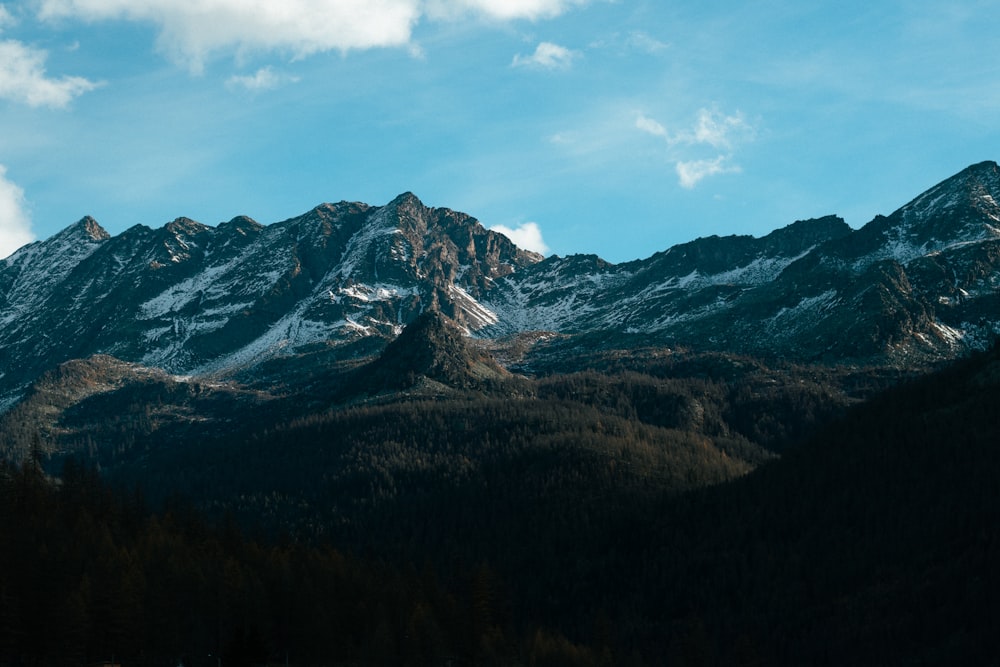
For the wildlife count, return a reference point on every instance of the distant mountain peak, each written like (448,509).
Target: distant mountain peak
(186,226)
(806,233)
(975,185)
(241,224)
(84,229)
(406,199)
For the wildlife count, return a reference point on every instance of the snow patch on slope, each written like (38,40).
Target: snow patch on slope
(804,313)
(35,280)
(758,272)
(370,293)
(359,247)
(479,315)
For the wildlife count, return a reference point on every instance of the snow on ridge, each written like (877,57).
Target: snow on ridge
(43,266)
(369,293)
(290,332)
(515,308)
(820,302)
(379,225)
(213,282)
(759,271)
(950,335)
(904,251)
(933,201)
(480,315)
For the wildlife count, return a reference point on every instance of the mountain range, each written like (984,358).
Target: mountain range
(915,287)
(736,451)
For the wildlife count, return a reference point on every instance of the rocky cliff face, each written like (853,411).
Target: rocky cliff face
(918,285)
(194,299)
(912,287)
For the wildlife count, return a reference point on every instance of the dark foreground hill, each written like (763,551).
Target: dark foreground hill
(873,543)
(88,577)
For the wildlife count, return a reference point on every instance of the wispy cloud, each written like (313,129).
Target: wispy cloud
(263,79)
(527,236)
(190,31)
(650,126)
(718,130)
(629,43)
(505,10)
(23,78)
(6,19)
(546,56)
(711,128)
(15,224)
(643,42)
(690,173)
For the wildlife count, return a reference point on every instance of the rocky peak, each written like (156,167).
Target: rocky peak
(970,186)
(242,225)
(407,203)
(716,255)
(327,216)
(963,208)
(84,230)
(92,230)
(32,269)
(431,347)
(802,235)
(405,214)
(186,227)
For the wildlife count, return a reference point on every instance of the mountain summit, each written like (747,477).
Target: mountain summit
(916,286)
(431,348)
(192,299)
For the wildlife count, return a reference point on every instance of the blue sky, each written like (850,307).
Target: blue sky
(615,127)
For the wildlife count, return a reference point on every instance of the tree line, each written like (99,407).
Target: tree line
(89,575)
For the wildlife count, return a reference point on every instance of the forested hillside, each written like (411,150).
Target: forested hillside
(88,577)
(873,543)
(662,507)
(462,530)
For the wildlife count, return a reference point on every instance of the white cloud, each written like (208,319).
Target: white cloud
(263,79)
(527,236)
(5,18)
(711,128)
(15,225)
(718,130)
(691,172)
(546,56)
(23,78)
(504,10)
(647,124)
(643,42)
(725,133)
(192,30)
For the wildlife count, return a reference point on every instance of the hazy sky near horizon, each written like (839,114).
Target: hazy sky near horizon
(614,127)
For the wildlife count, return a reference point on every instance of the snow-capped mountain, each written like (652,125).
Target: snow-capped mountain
(918,285)
(194,299)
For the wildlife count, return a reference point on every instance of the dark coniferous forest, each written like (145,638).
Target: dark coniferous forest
(605,517)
